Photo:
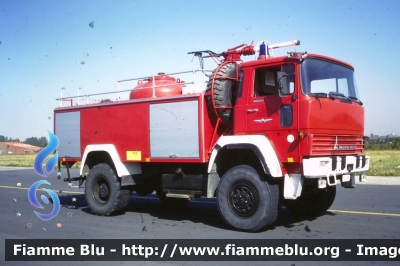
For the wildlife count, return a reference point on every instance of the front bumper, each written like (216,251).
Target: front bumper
(319,167)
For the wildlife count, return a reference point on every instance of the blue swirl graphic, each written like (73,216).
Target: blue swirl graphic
(41,156)
(32,199)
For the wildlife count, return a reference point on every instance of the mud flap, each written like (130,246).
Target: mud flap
(348,181)
(212,184)
(293,186)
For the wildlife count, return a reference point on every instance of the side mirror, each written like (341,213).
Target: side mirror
(284,86)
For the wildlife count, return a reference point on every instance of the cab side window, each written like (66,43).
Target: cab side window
(266,81)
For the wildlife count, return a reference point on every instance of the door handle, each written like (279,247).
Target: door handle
(250,111)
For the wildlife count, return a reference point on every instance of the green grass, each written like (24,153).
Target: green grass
(22,160)
(383,163)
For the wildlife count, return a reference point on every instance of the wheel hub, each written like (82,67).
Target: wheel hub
(103,190)
(243,200)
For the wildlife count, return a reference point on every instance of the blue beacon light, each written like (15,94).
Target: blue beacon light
(263,51)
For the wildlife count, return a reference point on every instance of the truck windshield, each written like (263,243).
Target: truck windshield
(324,77)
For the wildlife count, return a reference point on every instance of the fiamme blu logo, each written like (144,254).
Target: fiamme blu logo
(45,171)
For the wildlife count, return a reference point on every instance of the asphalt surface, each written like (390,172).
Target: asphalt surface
(369,211)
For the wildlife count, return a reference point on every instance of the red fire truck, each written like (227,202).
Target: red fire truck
(255,135)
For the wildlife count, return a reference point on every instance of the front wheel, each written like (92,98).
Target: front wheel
(103,192)
(246,201)
(312,201)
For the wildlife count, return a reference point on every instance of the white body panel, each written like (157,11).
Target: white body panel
(123,169)
(259,141)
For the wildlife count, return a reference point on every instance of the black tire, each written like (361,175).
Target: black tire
(169,201)
(223,93)
(312,201)
(104,194)
(246,201)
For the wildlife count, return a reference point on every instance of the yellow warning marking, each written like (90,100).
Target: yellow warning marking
(134,155)
(14,187)
(290,160)
(368,213)
(57,191)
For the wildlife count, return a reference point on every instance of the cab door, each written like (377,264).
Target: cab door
(272,108)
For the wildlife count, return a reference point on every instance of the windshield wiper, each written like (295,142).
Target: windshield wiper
(356,99)
(337,95)
(320,95)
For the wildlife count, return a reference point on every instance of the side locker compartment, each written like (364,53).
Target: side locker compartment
(174,130)
(67,129)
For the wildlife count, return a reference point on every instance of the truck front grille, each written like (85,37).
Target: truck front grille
(336,144)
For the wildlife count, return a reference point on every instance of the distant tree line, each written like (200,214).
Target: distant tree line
(6,139)
(40,142)
(388,143)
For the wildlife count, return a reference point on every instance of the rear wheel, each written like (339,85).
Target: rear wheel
(246,201)
(103,192)
(313,201)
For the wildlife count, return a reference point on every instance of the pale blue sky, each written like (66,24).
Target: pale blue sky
(43,44)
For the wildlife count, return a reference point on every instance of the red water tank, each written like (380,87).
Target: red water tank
(164,86)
